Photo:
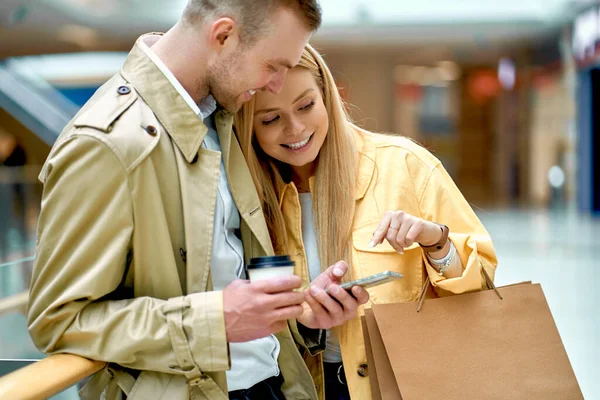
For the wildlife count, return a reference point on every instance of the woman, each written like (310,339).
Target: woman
(331,190)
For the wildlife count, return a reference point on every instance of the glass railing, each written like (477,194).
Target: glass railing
(20,363)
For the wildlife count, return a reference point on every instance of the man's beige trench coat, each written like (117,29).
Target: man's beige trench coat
(122,271)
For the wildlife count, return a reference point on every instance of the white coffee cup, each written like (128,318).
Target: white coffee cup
(267,267)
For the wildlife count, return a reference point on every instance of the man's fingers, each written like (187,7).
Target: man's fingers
(318,310)
(285,313)
(331,306)
(285,299)
(360,294)
(349,303)
(337,271)
(278,284)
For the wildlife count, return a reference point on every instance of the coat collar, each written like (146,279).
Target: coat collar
(185,127)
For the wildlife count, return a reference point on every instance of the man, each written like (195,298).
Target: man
(149,213)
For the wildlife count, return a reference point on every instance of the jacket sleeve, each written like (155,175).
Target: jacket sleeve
(441,201)
(77,303)
(313,340)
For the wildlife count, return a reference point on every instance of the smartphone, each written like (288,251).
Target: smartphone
(373,280)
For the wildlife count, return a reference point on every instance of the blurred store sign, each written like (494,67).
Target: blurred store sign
(483,85)
(428,91)
(586,33)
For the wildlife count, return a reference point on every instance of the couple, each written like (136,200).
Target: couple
(149,213)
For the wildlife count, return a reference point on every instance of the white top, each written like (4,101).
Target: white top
(254,361)
(332,353)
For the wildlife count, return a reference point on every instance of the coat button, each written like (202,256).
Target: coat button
(151,130)
(363,370)
(123,90)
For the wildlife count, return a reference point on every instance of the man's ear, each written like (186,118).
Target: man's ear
(224,32)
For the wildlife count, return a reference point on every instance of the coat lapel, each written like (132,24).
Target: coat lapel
(198,195)
(241,183)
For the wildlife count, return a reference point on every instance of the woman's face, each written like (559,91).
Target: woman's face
(291,126)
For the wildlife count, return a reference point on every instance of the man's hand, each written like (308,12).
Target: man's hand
(321,311)
(255,310)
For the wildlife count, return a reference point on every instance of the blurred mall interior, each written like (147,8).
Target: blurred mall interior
(504,93)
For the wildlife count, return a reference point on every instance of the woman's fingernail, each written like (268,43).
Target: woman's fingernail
(334,289)
(338,272)
(372,244)
(401,253)
(314,290)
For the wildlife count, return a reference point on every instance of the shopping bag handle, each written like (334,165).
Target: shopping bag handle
(488,281)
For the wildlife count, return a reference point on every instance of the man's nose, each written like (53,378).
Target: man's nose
(275,85)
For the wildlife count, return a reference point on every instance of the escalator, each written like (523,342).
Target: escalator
(36,104)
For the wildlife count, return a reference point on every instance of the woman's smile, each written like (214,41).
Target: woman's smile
(300,145)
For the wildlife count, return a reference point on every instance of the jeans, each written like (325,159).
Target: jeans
(269,389)
(336,387)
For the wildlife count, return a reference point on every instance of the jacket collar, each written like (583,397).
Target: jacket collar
(366,163)
(185,128)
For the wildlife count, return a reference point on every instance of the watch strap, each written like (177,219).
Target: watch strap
(441,243)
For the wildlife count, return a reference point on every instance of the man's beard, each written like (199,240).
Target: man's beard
(220,80)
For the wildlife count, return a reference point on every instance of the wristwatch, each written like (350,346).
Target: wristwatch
(441,243)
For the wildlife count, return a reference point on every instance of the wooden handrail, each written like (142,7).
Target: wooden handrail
(47,377)
(14,303)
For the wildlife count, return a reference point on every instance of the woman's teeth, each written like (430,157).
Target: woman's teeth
(251,92)
(298,145)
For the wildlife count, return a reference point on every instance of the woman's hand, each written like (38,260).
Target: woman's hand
(401,230)
(325,310)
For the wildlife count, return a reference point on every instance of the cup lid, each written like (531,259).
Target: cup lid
(270,262)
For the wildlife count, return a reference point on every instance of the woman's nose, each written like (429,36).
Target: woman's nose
(295,127)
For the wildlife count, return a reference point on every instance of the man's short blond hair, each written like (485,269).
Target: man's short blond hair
(251,15)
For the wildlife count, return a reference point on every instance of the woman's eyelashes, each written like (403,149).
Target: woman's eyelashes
(308,106)
(276,118)
(270,121)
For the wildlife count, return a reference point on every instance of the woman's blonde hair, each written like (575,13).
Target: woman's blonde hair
(335,177)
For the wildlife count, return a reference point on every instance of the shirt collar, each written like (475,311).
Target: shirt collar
(205,108)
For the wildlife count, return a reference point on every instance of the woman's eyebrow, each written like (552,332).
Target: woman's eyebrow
(268,110)
(302,94)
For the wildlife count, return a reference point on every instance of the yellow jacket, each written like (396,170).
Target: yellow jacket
(122,272)
(395,173)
